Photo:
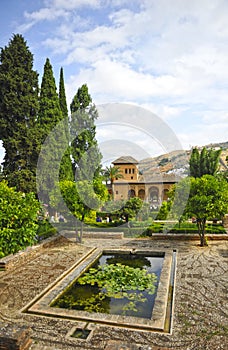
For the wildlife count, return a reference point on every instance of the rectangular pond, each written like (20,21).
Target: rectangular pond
(116,284)
(135,306)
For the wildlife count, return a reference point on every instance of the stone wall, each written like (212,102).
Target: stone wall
(13,337)
(22,256)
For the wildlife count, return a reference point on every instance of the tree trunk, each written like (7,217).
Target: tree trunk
(201,223)
(76,232)
(81,232)
(112,189)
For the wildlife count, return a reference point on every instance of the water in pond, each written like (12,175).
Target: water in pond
(138,301)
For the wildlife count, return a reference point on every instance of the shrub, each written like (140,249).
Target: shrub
(18,219)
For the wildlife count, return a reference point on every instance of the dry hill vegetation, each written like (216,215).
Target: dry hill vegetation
(177,162)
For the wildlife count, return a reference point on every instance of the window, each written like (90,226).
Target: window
(125,171)
(129,171)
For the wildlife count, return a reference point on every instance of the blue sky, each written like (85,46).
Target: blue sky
(168,56)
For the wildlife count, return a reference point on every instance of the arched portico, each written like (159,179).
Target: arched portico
(131,193)
(153,194)
(141,194)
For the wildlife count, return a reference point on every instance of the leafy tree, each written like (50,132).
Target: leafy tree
(18,113)
(83,133)
(66,169)
(164,211)
(131,208)
(81,100)
(208,198)
(178,197)
(204,162)
(18,219)
(81,198)
(85,151)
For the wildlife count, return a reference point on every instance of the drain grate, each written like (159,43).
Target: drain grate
(81,333)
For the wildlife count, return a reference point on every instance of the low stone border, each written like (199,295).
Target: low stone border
(13,260)
(99,235)
(188,237)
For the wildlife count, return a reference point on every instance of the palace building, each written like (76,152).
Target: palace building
(152,188)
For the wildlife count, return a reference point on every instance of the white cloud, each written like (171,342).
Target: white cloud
(72,4)
(46,14)
(220,117)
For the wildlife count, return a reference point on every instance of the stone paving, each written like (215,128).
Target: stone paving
(200,307)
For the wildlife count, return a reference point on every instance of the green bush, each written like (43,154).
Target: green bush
(183,228)
(18,219)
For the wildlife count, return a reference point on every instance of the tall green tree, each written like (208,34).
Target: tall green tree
(66,168)
(54,136)
(204,162)
(194,163)
(49,110)
(85,148)
(62,95)
(85,151)
(18,113)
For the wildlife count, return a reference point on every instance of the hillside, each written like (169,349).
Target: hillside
(176,162)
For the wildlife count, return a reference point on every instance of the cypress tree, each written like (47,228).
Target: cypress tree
(53,135)
(66,170)
(203,166)
(194,163)
(18,112)
(49,111)
(62,95)
(205,162)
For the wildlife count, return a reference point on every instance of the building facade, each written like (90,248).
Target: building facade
(152,188)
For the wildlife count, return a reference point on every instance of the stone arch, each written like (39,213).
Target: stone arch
(141,194)
(131,193)
(154,194)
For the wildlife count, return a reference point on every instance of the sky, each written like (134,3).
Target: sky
(168,57)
